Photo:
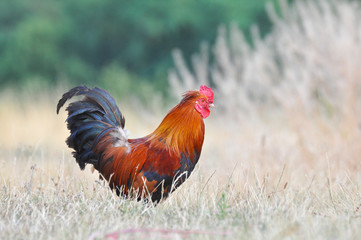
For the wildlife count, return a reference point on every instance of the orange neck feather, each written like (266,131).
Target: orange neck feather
(182,129)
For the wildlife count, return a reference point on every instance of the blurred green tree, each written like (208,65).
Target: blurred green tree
(80,40)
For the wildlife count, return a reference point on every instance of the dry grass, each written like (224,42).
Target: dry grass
(280,158)
(46,196)
(260,185)
(291,99)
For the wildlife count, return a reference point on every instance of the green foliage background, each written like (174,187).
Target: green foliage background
(110,42)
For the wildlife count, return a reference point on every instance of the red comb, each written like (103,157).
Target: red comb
(207,91)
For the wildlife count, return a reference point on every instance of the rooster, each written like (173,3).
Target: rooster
(149,167)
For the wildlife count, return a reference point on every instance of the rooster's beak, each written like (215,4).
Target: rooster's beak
(211,105)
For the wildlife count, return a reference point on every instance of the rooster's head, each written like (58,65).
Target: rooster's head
(205,101)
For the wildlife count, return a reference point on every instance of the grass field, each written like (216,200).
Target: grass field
(281,157)
(271,181)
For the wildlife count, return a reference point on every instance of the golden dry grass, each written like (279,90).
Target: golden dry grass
(278,178)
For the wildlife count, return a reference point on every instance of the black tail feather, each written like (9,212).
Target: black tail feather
(88,119)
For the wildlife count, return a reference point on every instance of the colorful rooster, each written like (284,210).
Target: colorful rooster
(154,165)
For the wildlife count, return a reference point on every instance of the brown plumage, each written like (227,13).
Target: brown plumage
(154,165)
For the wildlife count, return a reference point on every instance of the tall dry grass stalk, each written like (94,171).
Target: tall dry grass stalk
(310,61)
(291,99)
